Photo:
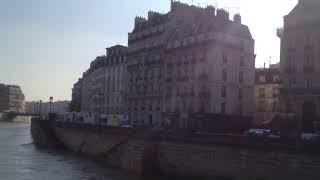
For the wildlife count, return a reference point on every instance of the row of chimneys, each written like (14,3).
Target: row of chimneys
(176,6)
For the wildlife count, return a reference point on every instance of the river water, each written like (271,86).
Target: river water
(20,160)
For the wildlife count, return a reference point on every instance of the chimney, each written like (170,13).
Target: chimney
(222,14)
(210,10)
(237,19)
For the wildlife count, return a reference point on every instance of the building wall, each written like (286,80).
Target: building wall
(183,48)
(103,84)
(115,81)
(200,52)
(145,70)
(175,64)
(4,97)
(267,103)
(92,89)
(75,105)
(299,63)
(267,94)
(11,98)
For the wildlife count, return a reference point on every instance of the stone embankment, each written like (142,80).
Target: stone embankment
(187,156)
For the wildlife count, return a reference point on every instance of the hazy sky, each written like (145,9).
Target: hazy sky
(46,45)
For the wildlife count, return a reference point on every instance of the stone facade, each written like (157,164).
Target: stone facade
(145,56)
(75,105)
(115,80)
(11,98)
(93,86)
(102,87)
(267,94)
(186,61)
(209,65)
(299,63)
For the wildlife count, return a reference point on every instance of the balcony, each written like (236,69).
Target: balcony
(169,79)
(290,70)
(203,77)
(299,91)
(204,94)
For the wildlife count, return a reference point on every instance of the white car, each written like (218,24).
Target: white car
(259,132)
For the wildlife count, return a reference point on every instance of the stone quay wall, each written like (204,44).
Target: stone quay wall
(167,154)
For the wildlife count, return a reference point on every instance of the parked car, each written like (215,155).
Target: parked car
(258,133)
(311,137)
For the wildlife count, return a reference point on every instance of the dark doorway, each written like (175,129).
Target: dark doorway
(308,116)
(150,120)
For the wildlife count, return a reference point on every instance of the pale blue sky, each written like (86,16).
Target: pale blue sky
(46,45)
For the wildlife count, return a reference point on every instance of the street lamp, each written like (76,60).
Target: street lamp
(40,108)
(50,99)
(37,108)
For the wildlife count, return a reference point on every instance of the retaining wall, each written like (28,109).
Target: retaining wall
(163,154)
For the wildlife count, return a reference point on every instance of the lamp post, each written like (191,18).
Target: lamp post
(37,107)
(40,109)
(34,108)
(50,100)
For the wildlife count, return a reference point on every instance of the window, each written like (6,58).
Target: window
(146,75)
(224,59)
(309,83)
(261,106)
(240,95)
(178,75)
(145,89)
(224,75)
(223,108)
(201,107)
(159,74)
(289,107)
(169,76)
(241,77)
(307,41)
(261,92)
(275,92)
(292,82)
(151,88)
(223,92)
(275,106)
(308,59)
(242,61)
(131,76)
(192,73)
(291,44)
(151,74)
(178,91)
(191,91)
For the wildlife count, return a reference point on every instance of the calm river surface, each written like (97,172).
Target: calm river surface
(20,160)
